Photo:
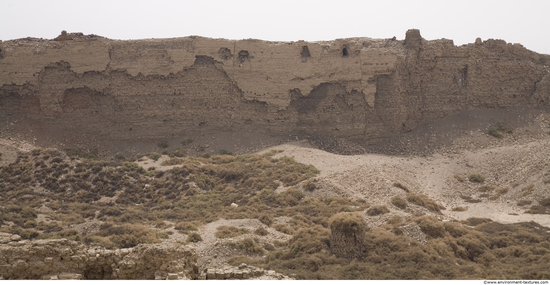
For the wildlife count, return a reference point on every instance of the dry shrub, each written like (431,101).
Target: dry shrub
(154,156)
(229,231)
(469,199)
(474,247)
(395,220)
(399,202)
(173,161)
(249,246)
(266,220)
(377,210)
(261,231)
(431,226)
(455,230)
(185,227)
(525,191)
(310,240)
(309,186)
(399,185)
(283,229)
(290,197)
(128,235)
(545,202)
(473,221)
(486,188)
(459,209)
(476,178)
(194,237)
(347,235)
(458,178)
(425,202)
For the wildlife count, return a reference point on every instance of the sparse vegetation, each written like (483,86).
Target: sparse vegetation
(399,185)
(310,186)
(527,190)
(458,178)
(499,130)
(186,141)
(229,231)
(425,202)
(476,178)
(459,209)
(399,202)
(154,156)
(132,206)
(163,144)
(194,237)
(524,203)
(377,210)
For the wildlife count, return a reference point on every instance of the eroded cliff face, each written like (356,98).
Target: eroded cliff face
(360,89)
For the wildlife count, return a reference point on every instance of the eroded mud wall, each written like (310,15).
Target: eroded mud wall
(360,89)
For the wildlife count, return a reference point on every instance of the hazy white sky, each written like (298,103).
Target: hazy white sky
(526,21)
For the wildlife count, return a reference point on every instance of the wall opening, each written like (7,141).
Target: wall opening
(463,77)
(305,52)
(225,53)
(243,56)
(345,52)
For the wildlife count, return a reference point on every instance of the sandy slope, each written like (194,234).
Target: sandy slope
(372,176)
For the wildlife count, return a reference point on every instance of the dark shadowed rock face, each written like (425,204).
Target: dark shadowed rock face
(79,87)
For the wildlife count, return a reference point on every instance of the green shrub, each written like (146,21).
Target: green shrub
(154,156)
(499,130)
(186,141)
(120,157)
(163,144)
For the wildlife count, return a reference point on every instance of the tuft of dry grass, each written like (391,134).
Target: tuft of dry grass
(399,185)
(229,231)
(399,202)
(459,209)
(527,190)
(377,210)
(425,202)
(476,178)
